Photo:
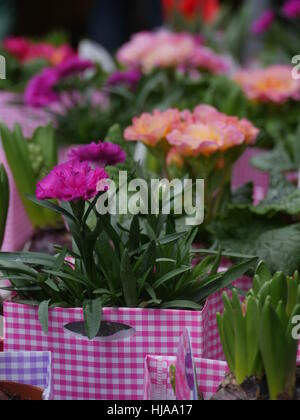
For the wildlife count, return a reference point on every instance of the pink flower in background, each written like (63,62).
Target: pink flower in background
(206,59)
(128,78)
(132,53)
(164,49)
(73,66)
(152,128)
(17,46)
(40,90)
(272,84)
(71,181)
(174,157)
(101,154)
(25,50)
(264,22)
(291,9)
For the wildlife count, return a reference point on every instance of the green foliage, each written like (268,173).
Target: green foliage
(4,201)
(149,265)
(273,240)
(257,336)
(30,160)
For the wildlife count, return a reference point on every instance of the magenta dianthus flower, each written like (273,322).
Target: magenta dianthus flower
(71,181)
(100,154)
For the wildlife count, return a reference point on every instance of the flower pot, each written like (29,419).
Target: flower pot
(18,227)
(26,374)
(157,385)
(244,173)
(111,367)
(21,392)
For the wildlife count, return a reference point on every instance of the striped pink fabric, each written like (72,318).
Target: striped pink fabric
(157,386)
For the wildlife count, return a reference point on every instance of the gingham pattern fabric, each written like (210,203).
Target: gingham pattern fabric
(244,173)
(157,386)
(30,368)
(112,370)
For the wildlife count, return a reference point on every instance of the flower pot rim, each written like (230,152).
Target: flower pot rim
(35,391)
(116,309)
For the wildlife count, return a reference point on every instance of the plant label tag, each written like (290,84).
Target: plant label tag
(186,380)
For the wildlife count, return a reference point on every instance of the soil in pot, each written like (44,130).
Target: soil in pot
(250,390)
(11,391)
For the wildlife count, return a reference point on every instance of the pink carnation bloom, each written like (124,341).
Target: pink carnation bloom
(132,53)
(206,59)
(40,90)
(71,181)
(273,84)
(73,66)
(17,46)
(263,23)
(100,154)
(291,9)
(152,128)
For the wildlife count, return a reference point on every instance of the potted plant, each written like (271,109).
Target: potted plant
(115,296)
(259,340)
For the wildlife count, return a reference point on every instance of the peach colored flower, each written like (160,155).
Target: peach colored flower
(205,138)
(152,128)
(205,113)
(273,84)
(174,157)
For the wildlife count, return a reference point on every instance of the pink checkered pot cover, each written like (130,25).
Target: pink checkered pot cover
(157,385)
(103,369)
(112,369)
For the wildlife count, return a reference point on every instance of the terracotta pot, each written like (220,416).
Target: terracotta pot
(25,392)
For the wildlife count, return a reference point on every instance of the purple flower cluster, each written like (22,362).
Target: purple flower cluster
(41,92)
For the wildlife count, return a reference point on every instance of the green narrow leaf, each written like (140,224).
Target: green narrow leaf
(92,313)
(43,313)
(128,280)
(4,201)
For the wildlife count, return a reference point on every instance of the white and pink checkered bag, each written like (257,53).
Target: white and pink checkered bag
(110,369)
(106,369)
(157,384)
